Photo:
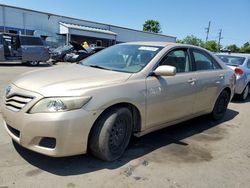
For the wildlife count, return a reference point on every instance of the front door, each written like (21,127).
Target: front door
(171,98)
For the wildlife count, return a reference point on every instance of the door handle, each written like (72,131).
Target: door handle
(221,76)
(192,81)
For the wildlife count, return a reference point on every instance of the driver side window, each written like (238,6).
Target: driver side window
(179,59)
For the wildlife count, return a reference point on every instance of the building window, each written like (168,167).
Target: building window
(12,31)
(98,43)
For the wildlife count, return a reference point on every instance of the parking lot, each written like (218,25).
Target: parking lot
(196,153)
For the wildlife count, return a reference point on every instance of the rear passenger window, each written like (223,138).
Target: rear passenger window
(178,59)
(31,41)
(203,61)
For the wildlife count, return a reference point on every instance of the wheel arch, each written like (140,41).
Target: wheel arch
(227,89)
(137,122)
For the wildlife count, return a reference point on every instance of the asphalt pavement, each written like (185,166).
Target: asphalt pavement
(197,153)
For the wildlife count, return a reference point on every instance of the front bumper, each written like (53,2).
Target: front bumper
(70,130)
(56,57)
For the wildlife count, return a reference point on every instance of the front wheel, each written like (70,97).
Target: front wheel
(220,106)
(111,134)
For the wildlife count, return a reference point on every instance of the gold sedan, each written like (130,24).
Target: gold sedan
(128,89)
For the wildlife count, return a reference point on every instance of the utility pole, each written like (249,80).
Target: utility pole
(220,37)
(208,30)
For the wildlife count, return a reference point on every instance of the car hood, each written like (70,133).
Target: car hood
(72,80)
(62,49)
(77,46)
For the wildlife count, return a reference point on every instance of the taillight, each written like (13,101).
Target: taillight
(238,71)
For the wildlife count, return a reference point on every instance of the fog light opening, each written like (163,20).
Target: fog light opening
(48,142)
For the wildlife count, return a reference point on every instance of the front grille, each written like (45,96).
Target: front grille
(14,131)
(16,102)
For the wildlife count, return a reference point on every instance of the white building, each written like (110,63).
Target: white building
(58,30)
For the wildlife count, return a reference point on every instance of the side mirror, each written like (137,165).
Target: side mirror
(165,70)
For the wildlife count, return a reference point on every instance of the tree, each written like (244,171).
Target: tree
(152,26)
(191,39)
(211,45)
(233,48)
(246,44)
(245,49)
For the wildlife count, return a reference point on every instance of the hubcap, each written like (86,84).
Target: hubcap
(118,133)
(33,62)
(246,92)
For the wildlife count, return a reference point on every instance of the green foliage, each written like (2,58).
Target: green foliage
(191,39)
(152,26)
(245,48)
(233,48)
(212,45)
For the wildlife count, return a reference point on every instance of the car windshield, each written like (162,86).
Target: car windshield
(123,58)
(232,60)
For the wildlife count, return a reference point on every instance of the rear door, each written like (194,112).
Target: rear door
(2,58)
(210,80)
(33,49)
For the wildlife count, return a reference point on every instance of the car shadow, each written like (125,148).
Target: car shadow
(81,164)
(238,101)
(18,64)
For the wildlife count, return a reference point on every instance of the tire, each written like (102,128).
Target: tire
(243,96)
(64,58)
(111,134)
(33,63)
(220,106)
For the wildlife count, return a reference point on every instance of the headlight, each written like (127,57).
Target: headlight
(59,104)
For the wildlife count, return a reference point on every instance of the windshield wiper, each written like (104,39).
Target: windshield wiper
(99,67)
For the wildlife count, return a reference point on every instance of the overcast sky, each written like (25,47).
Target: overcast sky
(178,18)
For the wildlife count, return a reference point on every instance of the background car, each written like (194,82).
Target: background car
(23,48)
(77,56)
(59,53)
(240,63)
(127,89)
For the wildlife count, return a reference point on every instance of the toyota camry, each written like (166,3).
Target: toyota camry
(127,89)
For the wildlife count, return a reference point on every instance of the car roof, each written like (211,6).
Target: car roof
(162,44)
(234,54)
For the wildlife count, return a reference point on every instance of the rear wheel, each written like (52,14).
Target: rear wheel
(33,63)
(220,106)
(245,93)
(111,134)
